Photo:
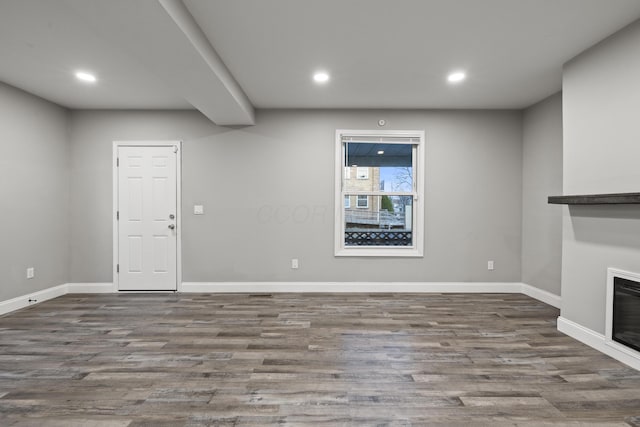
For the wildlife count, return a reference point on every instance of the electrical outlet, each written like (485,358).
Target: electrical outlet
(31,273)
(489,265)
(198,209)
(294,263)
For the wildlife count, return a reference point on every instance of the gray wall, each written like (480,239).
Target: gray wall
(601,155)
(542,177)
(34,190)
(268,195)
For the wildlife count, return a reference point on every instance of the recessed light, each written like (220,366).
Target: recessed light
(321,77)
(85,77)
(381,152)
(456,77)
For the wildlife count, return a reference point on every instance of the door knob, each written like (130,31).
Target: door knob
(171,226)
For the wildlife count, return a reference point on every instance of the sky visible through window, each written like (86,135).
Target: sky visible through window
(396,178)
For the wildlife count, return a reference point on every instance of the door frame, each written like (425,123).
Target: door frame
(114,210)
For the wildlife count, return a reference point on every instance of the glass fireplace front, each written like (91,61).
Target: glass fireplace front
(626,312)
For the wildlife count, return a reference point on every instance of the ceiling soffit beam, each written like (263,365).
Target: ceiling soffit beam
(179,13)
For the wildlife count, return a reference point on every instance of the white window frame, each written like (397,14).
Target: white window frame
(366,205)
(417,249)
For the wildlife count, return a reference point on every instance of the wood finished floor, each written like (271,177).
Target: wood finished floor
(290,359)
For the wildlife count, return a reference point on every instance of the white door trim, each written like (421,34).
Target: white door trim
(177,144)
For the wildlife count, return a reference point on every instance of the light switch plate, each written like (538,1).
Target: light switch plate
(198,210)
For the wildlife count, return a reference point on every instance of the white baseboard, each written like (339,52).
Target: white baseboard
(90,288)
(542,295)
(351,287)
(33,298)
(597,341)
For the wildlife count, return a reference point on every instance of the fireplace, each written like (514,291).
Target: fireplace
(626,312)
(623,311)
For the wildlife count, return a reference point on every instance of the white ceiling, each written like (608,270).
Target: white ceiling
(42,43)
(225,57)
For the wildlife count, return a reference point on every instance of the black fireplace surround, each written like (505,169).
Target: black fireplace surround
(626,312)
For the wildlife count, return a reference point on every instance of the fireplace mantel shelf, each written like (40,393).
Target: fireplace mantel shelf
(596,199)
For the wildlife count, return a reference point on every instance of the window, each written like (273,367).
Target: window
(388,218)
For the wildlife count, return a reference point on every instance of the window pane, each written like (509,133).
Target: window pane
(362,173)
(378,167)
(385,221)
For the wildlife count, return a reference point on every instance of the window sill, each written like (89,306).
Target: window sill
(379,252)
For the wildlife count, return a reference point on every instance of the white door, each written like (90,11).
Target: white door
(146,218)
